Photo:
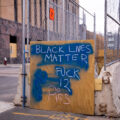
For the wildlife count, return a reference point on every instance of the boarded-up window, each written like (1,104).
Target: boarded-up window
(13,46)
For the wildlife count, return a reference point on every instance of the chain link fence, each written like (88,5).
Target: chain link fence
(59,20)
(112,32)
(70,21)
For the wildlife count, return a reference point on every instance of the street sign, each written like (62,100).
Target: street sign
(52,14)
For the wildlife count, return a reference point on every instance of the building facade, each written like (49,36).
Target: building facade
(11,24)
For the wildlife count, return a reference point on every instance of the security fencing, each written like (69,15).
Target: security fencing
(112,32)
(69,21)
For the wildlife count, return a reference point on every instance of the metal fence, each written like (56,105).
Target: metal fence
(112,32)
(71,21)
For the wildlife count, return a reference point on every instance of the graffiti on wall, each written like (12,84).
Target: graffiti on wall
(68,60)
(75,54)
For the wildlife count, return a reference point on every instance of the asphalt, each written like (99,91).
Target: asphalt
(8,88)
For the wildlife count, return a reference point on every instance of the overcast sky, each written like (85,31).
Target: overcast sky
(96,6)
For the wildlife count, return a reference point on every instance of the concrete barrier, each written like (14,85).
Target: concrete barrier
(18,97)
(107,101)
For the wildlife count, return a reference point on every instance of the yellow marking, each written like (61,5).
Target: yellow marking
(76,118)
(28,114)
(79,118)
(65,117)
(53,117)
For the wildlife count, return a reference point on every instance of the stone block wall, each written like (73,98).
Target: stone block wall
(10,28)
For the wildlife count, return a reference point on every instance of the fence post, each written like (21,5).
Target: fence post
(28,28)
(48,22)
(63,20)
(84,26)
(105,31)
(23,54)
(118,42)
(95,34)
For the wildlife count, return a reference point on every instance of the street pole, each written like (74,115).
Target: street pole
(118,37)
(28,28)
(95,35)
(63,21)
(48,34)
(23,54)
(105,31)
(84,26)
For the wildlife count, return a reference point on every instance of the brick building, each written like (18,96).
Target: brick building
(11,25)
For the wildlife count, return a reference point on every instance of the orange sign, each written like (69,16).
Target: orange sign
(52,14)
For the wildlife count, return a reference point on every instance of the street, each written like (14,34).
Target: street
(8,89)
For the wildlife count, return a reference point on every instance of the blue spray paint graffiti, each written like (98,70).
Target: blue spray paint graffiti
(65,75)
(40,78)
(69,73)
(76,55)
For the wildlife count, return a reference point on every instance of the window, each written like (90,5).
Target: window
(13,39)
